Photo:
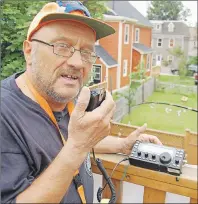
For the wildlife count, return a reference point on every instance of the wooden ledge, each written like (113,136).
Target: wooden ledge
(185,184)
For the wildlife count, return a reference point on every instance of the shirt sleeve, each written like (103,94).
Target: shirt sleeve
(16,173)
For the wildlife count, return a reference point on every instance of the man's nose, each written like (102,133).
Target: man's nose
(75,60)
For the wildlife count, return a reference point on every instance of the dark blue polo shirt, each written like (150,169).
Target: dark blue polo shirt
(29,143)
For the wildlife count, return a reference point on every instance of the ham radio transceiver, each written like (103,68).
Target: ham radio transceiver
(157,157)
(97,97)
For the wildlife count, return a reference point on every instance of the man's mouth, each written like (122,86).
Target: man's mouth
(71,77)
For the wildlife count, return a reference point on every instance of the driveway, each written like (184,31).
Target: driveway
(166,70)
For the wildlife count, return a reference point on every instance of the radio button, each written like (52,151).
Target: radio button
(146,154)
(153,156)
(176,161)
(139,153)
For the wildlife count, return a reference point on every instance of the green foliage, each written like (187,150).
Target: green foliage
(167,10)
(193,60)
(182,60)
(16,18)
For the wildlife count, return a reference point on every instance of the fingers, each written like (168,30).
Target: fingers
(106,106)
(149,138)
(138,131)
(155,140)
(82,101)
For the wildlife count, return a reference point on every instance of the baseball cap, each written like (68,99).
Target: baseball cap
(68,10)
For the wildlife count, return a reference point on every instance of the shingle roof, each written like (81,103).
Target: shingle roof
(180,28)
(124,8)
(142,48)
(106,57)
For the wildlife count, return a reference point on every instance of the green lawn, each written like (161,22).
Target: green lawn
(157,118)
(177,80)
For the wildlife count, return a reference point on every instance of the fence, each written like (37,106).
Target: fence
(143,92)
(175,88)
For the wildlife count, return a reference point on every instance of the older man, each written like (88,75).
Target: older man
(38,116)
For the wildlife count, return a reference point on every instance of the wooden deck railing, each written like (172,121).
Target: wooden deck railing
(156,184)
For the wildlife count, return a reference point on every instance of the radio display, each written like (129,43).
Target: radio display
(155,149)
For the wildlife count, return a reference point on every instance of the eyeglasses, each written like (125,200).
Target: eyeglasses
(65,50)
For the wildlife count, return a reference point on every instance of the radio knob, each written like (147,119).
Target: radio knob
(146,154)
(153,156)
(165,158)
(139,153)
(176,161)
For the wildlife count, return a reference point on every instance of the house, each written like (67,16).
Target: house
(121,52)
(192,46)
(165,36)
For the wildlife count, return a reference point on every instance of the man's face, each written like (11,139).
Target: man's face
(60,78)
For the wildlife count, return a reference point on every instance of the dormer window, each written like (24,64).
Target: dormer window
(171,27)
(157,26)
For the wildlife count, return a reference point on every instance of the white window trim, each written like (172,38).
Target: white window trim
(125,63)
(171,25)
(126,33)
(100,71)
(138,35)
(161,42)
(169,42)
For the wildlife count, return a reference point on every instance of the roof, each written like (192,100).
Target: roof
(124,8)
(143,49)
(105,56)
(180,28)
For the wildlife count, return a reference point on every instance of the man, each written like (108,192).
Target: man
(36,166)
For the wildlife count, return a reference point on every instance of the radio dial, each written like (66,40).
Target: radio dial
(165,158)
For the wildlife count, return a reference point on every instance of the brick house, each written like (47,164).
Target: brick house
(121,52)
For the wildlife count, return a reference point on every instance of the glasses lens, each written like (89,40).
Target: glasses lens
(62,50)
(88,56)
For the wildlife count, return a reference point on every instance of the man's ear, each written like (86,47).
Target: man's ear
(27,49)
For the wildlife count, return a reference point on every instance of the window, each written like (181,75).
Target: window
(170,59)
(97,73)
(157,26)
(125,63)
(171,27)
(171,42)
(159,42)
(126,34)
(137,35)
(148,61)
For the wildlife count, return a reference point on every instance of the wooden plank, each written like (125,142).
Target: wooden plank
(153,195)
(187,179)
(151,183)
(185,184)
(192,200)
(118,188)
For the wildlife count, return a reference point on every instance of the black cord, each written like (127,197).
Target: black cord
(169,104)
(100,190)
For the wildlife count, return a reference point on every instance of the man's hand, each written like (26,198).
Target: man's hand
(128,142)
(86,129)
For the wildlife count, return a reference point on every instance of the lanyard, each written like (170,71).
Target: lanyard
(43,103)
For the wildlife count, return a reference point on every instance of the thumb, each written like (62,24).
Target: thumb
(138,131)
(82,101)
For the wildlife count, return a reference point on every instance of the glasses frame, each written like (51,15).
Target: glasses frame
(71,51)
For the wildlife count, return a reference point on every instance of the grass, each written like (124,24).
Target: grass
(157,118)
(189,81)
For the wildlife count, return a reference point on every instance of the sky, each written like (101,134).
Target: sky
(142,6)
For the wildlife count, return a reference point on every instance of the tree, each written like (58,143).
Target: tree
(167,10)
(181,60)
(16,18)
